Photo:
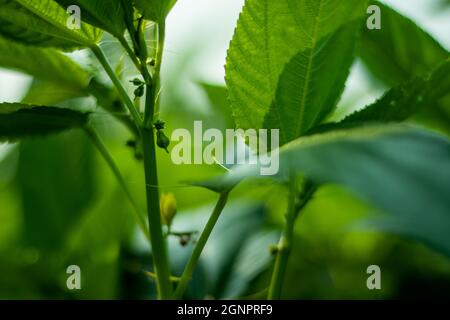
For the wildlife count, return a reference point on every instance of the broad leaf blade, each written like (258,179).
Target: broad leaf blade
(55,179)
(311,84)
(155,10)
(406,100)
(400,49)
(268,35)
(19,121)
(49,93)
(43,23)
(402,171)
(108,15)
(44,64)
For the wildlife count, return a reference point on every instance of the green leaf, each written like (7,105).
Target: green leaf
(20,120)
(268,35)
(400,49)
(406,100)
(217,96)
(155,10)
(311,84)
(44,64)
(55,177)
(49,93)
(108,15)
(401,170)
(43,23)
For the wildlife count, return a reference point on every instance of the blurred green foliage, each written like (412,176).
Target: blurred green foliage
(60,205)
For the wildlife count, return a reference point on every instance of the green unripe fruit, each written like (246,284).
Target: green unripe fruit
(137,82)
(162,141)
(139,92)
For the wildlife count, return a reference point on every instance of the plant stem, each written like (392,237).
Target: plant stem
(159,246)
(156,83)
(96,140)
(201,242)
(286,240)
(130,52)
(122,92)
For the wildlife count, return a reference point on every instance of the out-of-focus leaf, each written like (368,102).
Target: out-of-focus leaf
(268,35)
(49,93)
(55,178)
(108,15)
(406,100)
(95,244)
(44,64)
(20,120)
(217,96)
(43,23)
(155,10)
(223,256)
(402,171)
(400,49)
(311,84)
(252,259)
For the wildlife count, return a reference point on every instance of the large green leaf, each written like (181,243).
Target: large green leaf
(406,100)
(20,120)
(268,35)
(311,84)
(401,170)
(44,64)
(217,96)
(49,93)
(155,10)
(55,176)
(108,15)
(43,23)
(400,49)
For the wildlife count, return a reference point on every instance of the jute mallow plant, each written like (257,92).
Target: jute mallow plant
(286,69)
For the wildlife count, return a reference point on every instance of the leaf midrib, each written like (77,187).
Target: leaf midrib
(309,70)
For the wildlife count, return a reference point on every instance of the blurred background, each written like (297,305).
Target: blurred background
(60,205)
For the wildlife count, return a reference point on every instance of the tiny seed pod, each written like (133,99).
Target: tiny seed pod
(168,207)
(139,92)
(162,141)
(137,82)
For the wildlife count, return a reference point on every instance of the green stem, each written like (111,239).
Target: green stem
(286,240)
(97,141)
(156,83)
(122,92)
(201,242)
(159,245)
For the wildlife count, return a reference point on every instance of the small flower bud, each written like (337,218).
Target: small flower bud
(168,207)
(137,82)
(162,141)
(139,92)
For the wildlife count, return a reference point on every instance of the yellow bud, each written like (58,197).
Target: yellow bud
(168,205)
